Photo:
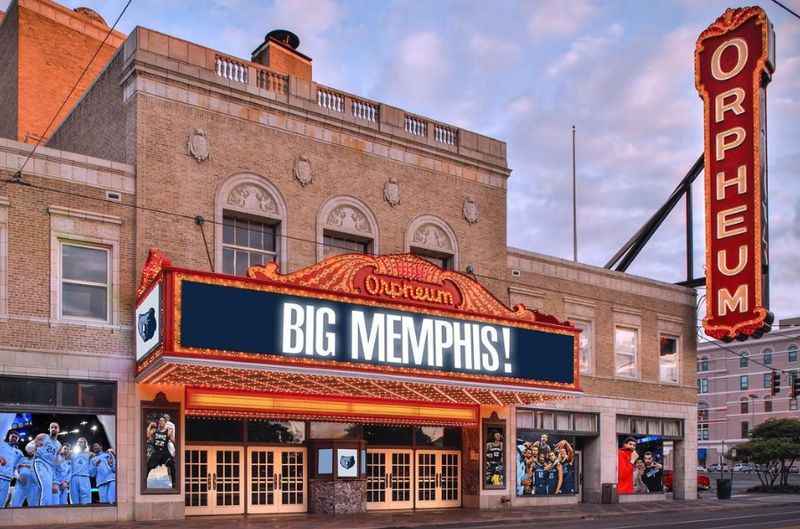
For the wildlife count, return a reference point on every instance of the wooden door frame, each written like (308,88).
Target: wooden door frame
(438,503)
(388,504)
(211,507)
(292,507)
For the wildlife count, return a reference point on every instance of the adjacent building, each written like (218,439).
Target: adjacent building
(734,386)
(189,192)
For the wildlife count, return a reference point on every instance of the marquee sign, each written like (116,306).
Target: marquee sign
(734,61)
(395,315)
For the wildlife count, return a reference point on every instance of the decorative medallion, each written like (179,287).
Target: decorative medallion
(198,145)
(302,171)
(470,210)
(252,197)
(391,192)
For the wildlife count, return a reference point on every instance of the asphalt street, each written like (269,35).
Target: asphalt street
(769,517)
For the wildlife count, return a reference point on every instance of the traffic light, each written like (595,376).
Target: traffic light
(776,382)
(794,387)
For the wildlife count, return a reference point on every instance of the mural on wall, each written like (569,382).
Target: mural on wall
(640,464)
(57,459)
(546,464)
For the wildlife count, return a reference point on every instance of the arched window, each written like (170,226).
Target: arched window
(434,240)
(792,353)
(744,359)
(702,365)
(768,356)
(346,225)
(253,219)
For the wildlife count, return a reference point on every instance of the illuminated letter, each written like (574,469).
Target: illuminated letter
(392,335)
(720,106)
(740,181)
(361,343)
(488,338)
(723,145)
(419,343)
(462,344)
(726,302)
(724,223)
(722,261)
(325,341)
(293,316)
(443,331)
(741,59)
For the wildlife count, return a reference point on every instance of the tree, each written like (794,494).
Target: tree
(773,448)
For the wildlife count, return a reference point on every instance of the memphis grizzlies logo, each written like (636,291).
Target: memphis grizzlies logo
(347,462)
(147,324)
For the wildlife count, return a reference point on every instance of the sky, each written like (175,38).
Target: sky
(525,72)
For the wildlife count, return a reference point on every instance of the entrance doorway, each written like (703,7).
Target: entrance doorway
(405,479)
(277,480)
(390,479)
(213,482)
(438,479)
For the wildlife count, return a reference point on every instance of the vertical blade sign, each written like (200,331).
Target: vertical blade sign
(734,61)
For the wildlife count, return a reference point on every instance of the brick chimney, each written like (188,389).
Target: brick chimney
(279,52)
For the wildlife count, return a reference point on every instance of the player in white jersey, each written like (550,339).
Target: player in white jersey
(45,461)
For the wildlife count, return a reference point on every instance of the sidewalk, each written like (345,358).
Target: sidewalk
(451,518)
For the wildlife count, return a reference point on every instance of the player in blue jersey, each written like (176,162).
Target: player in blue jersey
(80,487)
(540,476)
(106,468)
(45,460)
(10,455)
(63,475)
(26,490)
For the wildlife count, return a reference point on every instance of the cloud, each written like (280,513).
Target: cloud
(493,53)
(584,48)
(418,67)
(559,18)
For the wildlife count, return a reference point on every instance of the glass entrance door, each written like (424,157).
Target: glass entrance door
(389,479)
(438,479)
(277,481)
(213,483)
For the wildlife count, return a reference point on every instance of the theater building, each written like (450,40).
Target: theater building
(288,298)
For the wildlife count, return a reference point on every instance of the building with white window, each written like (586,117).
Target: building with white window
(734,386)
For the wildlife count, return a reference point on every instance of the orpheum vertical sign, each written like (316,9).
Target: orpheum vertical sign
(734,61)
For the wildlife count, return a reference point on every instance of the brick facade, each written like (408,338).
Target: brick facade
(131,132)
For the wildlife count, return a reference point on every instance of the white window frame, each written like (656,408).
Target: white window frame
(274,255)
(583,310)
(107,285)
(589,368)
(678,351)
(703,389)
(636,357)
(742,378)
(84,228)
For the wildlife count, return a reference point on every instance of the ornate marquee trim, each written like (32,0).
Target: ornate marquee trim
(155,263)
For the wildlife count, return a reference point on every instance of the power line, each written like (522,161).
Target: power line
(786,8)
(18,174)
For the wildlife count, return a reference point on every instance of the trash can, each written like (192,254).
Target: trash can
(609,493)
(724,489)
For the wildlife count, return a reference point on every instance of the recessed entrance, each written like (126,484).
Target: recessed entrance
(390,479)
(438,479)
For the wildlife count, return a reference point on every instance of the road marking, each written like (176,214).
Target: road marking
(717,519)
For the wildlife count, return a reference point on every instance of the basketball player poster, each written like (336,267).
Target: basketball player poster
(160,445)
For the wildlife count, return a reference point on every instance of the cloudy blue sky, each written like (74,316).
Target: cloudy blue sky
(524,72)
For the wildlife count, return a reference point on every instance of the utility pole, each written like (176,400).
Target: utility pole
(574,204)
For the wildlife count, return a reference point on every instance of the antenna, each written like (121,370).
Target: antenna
(574,204)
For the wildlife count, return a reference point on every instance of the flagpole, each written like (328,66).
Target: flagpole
(574,204)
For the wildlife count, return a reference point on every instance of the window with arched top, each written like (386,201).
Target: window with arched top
(434,240)
(744,359)
(251,221)
(768,356)
(346,225)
